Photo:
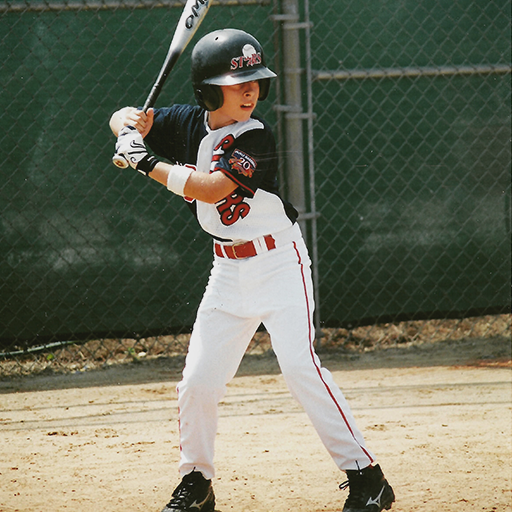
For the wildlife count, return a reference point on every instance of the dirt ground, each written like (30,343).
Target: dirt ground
(437,415)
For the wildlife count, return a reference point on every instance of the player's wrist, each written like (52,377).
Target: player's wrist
(147,164)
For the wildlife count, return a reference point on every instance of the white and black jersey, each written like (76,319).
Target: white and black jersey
(244,152)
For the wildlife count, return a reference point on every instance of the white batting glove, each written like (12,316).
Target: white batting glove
(130,144)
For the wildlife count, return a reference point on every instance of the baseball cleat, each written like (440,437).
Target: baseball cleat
(369,491)
(194,494)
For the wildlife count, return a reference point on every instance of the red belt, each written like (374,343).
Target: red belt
(245,250)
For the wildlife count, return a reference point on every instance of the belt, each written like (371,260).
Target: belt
(246,249)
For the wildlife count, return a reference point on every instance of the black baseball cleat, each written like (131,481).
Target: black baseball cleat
(194,494)
(369,491)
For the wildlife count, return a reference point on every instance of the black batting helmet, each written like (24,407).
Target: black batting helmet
(227,57)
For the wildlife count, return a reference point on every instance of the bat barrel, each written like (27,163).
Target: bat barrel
(191,17)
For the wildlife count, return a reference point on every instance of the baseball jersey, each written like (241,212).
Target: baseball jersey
(244,152)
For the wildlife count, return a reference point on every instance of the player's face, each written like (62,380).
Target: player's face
(239,102)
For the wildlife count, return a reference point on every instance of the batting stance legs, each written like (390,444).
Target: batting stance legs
(274,288)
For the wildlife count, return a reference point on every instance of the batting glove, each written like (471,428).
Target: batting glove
(130,144)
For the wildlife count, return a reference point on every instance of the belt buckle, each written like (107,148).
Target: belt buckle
(233,248)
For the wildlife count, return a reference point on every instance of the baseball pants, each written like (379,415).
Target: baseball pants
(274,288)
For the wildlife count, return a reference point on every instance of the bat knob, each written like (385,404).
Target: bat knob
(120,161)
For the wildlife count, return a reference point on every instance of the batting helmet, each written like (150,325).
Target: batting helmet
(227,57)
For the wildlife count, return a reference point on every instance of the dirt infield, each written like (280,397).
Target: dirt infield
(437,415)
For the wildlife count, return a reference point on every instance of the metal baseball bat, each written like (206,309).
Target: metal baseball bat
(191,17)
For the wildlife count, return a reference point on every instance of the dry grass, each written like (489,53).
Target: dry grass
(73,357)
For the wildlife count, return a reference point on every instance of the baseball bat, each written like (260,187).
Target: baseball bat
(191,17)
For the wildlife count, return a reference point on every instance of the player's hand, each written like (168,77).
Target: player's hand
(131,116)
(131,146)
(142,121)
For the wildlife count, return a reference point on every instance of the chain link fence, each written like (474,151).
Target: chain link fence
(412,151)
(399,135)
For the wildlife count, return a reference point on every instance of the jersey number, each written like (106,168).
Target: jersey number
(232,208)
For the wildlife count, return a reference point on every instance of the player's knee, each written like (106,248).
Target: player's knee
(296,368)
(198,385)
(296,362)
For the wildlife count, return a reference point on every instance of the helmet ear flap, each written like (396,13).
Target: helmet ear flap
(264,88)
(209,97)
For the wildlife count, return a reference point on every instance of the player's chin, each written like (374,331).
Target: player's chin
(246,111)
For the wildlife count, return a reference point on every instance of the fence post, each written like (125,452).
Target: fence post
(293,109)
(294,134)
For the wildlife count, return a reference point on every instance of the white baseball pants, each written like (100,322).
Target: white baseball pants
(274,288)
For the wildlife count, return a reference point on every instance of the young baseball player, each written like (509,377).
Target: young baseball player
(224,164)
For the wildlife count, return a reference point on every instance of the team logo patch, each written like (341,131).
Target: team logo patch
(242,163)
(250,57)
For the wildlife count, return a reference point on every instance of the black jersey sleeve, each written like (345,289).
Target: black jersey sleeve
(176,133)
(251,162)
